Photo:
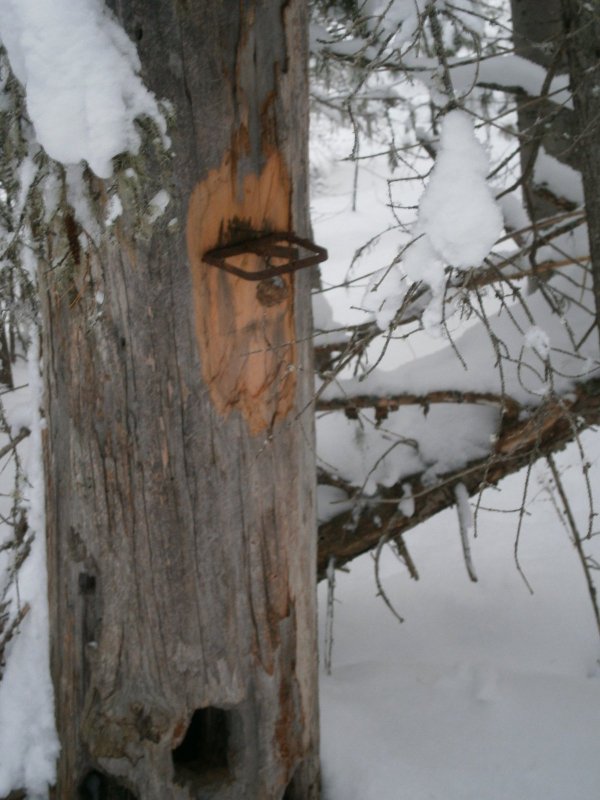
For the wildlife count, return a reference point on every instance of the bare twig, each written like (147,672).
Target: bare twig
(576,539)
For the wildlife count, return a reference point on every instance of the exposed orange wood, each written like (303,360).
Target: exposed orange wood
(246,348)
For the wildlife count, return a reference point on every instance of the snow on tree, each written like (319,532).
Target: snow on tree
(516,377)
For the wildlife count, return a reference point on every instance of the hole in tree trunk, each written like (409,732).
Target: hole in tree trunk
(291,792)
(97,786)
(202,757)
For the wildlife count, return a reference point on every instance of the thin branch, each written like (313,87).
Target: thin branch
(388,403)
(9,448)
(577,539)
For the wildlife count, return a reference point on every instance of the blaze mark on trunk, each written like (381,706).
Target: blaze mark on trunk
(246,347)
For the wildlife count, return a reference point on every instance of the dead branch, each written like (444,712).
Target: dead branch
(8,631)
(384,405)
(547,430)
(8,448)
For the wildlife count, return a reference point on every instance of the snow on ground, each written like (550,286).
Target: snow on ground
(485,692)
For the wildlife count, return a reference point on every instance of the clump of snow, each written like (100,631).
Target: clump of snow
(521,378)
(510,70)
(331,501)
(81,77)
(561,179)
(384,295)
(27,171)
(322,312)
(157,206)
(114,209)
(459,220)
(513,210)
(406,506)
(397,20)
(79,200)
(327,331)
(408,444)
(538,340)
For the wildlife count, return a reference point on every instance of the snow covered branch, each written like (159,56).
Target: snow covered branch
(549,429)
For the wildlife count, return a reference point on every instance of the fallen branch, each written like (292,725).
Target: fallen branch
(384,405)
(548,429)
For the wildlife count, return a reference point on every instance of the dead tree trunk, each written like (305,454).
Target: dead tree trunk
(543,123)
(582,44)
(179,458)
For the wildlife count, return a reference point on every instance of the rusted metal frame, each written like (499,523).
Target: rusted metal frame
(267,247)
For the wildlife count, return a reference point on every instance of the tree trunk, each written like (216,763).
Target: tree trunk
(539,37)
(582,29)
(179,449)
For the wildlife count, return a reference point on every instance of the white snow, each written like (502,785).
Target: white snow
(78,198)
(538,340)
(560,178)
(485,692)
(331,501)
(28,741)
(114,209)
(464,507)
(512,70)
(81,77)
(407,443)
(507,71)
(522,370)
(459,220)
(406,506)
(158,205)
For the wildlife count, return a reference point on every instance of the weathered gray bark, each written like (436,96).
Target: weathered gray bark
(180,498)
(582,44)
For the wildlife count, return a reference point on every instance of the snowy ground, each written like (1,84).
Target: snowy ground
(486,692)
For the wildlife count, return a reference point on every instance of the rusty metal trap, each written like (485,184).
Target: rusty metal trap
(295,253)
